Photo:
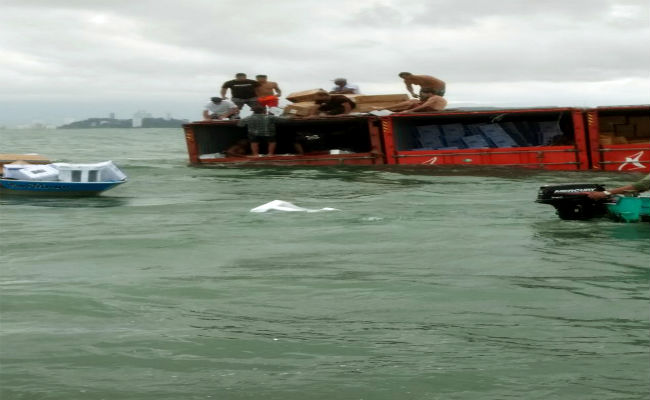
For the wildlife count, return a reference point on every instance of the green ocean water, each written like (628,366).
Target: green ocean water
(444,283)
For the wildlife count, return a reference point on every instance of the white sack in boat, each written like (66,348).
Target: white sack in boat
(280,205)
(30,172)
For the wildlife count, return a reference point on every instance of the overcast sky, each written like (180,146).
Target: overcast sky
(84,58)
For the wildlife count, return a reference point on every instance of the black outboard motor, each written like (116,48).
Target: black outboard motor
(570,202)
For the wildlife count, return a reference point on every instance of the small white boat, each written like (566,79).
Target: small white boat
(61,179)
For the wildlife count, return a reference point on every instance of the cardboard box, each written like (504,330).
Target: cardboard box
(379,98)
(626,130)
(367,107)
(306,95)
(301,109)
(430,137)
(548,130)
(350,96)
(453,134)
(608,122)
(641,125)
(29,158)
(497,135)
(475,142)
(606,140)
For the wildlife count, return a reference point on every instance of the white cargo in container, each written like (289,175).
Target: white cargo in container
(30,172)
(98,172)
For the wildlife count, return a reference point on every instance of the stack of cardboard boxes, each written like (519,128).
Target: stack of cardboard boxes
(367,103)
(621,129)
(304,102)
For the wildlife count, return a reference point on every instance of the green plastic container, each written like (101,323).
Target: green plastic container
(630,209)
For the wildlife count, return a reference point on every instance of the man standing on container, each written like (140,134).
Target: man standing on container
(267,92)
(242,89)
(219,108)
(261,127)
(343,87)
(424,81)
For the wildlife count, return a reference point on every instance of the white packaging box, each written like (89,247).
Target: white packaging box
(99,172)
(30,172)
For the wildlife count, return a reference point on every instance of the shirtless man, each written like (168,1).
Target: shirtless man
(267,92)
(429,101)
(424,81)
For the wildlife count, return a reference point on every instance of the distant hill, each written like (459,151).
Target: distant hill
(125,123)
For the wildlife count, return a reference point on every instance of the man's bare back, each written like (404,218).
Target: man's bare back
(425,81)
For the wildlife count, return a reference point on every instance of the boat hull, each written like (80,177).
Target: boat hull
(56,188)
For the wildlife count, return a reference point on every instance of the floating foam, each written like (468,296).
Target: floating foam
(380,113)
(280,205)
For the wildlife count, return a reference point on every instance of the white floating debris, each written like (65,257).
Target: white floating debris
(280,205)
(380,113)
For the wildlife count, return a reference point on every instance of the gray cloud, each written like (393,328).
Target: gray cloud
(178,53)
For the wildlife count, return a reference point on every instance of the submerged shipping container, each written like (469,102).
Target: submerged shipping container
(619,138)
(346,140)
(549,138)
(608,138)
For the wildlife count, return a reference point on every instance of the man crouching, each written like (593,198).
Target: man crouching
(219,108)
(428,101)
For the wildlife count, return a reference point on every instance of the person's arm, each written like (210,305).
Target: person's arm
(428,104)
(431,104)
(643,184)
(346,91)
(347,107)
(231,111)
(409,87)
(206,114)
(314,112)
(224,89)
(607,193)
(278,92)
(419,108)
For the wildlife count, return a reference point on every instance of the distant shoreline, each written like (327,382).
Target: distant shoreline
(102,123)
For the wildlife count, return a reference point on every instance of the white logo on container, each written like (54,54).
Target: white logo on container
(634,160)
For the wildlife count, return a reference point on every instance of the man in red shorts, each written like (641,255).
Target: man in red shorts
(267,92)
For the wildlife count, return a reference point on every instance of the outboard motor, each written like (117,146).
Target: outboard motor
(570,202)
